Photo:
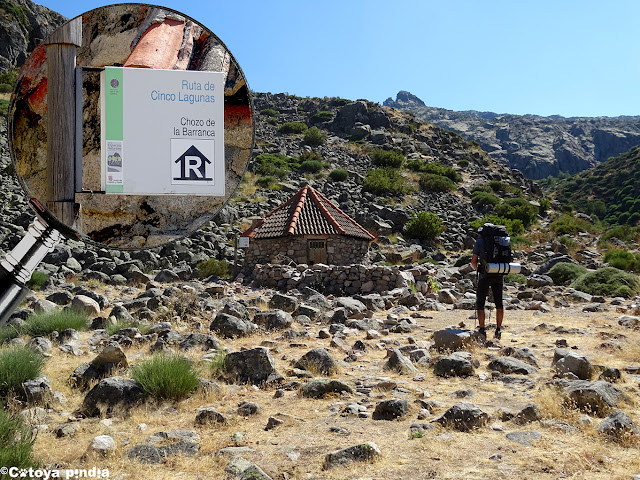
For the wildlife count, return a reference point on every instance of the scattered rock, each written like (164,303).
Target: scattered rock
(524,438)
(463,417)
(391,409)
(399,363)
(366,452)
(319,387)
(455,365)
(318,360)
(255,366)
(508,365)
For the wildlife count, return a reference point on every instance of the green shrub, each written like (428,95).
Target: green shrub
(608,281)
(274,164)
(323,116)
(218,268)
(166,376)
(515,278)
(217,364)
(568,224)
(7,333)
(383,181)
(42,324)
(310,156)
(267,182)
(567,241)
(17,365)
(481,188)
(339,102)
(387,158)
(311,166)
(293,127)
(434,168)
(6,88)
(518,208)
(518,241)
(37,280)
(16,442)
(10,77)
(436,183)
(545,205)
(514,227)
(4,107)
(502,187)
(424,225)
(623,260)
(626,233)
(314,136)
(338,175)
(269,112)
(481,198)
(564,272)
(464,163)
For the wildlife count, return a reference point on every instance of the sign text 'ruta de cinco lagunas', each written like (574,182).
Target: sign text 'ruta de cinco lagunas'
(162,131)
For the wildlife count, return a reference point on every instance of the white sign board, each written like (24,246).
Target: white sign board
(243,242)
(162,132)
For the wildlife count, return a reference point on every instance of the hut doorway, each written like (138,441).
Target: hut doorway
(317,251)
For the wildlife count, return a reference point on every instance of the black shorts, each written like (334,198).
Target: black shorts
(493,281)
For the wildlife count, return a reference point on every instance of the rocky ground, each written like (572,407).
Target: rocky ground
(555,397)
(360,365)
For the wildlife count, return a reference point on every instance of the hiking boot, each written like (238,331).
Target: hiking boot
(482,333)
(498,333)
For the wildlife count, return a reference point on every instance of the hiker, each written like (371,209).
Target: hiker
(492,246)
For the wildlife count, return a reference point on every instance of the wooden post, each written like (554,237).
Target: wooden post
(61,105)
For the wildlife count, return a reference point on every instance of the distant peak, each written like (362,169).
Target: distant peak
(404,99)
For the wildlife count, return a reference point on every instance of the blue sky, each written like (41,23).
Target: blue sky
(545,57)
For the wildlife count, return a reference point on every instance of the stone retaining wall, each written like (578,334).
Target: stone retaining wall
(344,279)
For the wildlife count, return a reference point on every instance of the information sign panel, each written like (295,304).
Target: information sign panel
(162,132)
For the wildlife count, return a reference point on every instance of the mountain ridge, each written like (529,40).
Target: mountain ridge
(538,146)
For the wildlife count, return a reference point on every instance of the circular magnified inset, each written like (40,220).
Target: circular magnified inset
(131,125)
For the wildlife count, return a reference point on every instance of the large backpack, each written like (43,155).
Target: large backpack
(497,244)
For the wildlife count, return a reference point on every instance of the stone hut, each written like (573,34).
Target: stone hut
(307,229)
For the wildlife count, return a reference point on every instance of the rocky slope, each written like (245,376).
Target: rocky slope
(23,25)
(537,146)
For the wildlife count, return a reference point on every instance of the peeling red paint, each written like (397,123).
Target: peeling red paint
(158,47)
(237,115)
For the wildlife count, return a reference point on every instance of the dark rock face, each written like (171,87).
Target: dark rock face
(391,409)
(537,146)
(618,423)
(112,395)
(320,387)
(255,366)
(509,365)
(318,360)
(20,36)
(593,397)
(454,365)
(463,417)
(230,326)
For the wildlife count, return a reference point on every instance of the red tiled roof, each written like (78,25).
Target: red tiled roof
(308,212)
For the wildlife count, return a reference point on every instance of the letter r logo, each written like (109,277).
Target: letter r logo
(192,167)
